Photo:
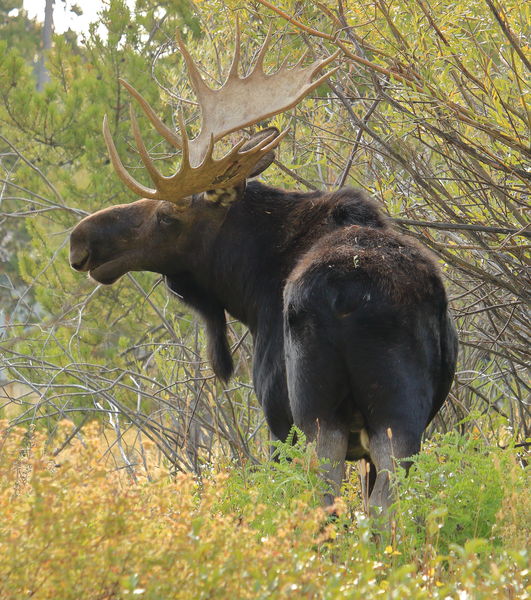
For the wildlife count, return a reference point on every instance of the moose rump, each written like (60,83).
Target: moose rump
(369,350)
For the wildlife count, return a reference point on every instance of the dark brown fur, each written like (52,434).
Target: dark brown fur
(398,266)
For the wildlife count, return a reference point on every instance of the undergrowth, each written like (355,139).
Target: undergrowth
(72,527)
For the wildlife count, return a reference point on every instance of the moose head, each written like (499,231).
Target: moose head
(170,227)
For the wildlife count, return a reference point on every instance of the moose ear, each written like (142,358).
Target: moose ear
(266,159)
(227,196)
(262,164)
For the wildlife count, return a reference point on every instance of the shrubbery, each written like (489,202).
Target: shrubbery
(428,113)
(72,527)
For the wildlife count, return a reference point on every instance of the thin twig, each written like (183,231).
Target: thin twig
(463,227)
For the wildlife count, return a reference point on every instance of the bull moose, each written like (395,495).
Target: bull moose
(351,332)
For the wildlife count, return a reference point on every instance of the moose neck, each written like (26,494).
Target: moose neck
(255,250)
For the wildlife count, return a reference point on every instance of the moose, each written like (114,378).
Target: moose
(353,342)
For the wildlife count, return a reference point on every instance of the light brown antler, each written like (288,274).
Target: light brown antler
(240,102)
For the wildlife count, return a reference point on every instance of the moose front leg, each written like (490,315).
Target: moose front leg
(269,377)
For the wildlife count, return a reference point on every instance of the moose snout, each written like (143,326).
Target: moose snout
(79,258)
(79,250)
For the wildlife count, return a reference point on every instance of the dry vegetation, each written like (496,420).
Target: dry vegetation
(74,527)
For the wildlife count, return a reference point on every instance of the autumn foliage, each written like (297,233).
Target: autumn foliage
(73,526)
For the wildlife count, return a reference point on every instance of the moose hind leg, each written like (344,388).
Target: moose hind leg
(387,447)
(319,400)
(332,443)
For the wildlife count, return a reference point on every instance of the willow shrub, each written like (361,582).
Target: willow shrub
(72,527)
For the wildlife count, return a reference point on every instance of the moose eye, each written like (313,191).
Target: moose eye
(165,219)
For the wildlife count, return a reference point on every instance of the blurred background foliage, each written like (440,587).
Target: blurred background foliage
(429,112)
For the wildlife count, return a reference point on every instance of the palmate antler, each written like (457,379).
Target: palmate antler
(240,102)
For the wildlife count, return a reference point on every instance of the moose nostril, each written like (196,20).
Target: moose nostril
(79,259)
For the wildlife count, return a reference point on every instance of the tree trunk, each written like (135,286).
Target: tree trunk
(42,73)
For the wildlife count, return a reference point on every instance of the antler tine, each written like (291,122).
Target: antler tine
(311,86)
(168,134)
(156,177)
(313,69)
(317,82)
(261,54)
(233,72)
(121,171)
(321,64)
(301,59)
(185,160)
(200,87)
